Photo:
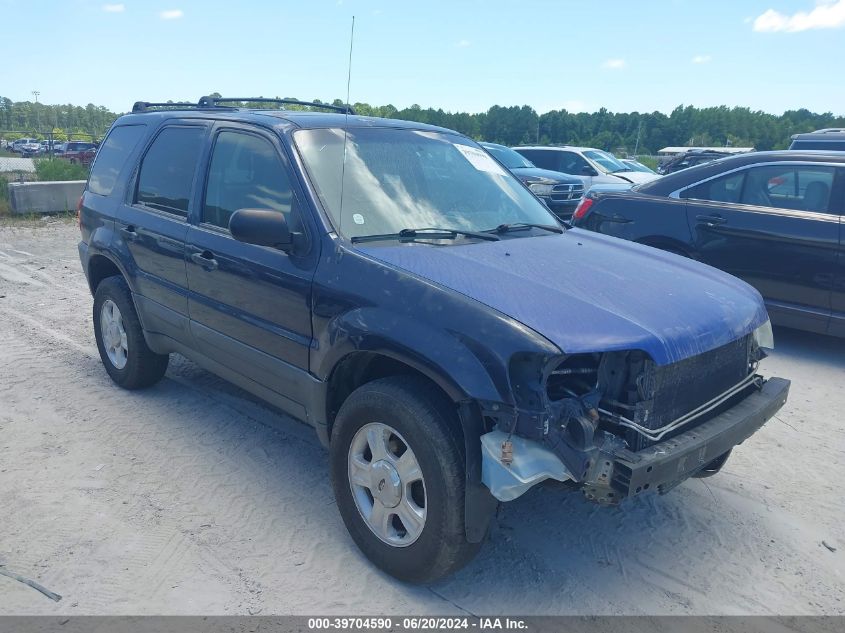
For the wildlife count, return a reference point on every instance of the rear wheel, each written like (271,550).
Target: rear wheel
(398,475)
(120,339)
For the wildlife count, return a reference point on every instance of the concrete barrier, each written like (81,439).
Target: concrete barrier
(45,197)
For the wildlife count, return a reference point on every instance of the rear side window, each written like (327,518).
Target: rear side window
(802,188)
(167,172)
(112,156)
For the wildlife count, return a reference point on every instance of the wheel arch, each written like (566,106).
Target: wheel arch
(361,367)
(101,267)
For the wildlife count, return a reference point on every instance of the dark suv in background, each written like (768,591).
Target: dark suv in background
(81,152)
(687,159)
(829,139)
(392,285)
(561,192)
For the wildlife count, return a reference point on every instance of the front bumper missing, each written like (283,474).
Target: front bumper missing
(622,473)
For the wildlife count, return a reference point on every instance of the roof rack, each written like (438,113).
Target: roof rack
(143,106)
(212,102)
(208,103)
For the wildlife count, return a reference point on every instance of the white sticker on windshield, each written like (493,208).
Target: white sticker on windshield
(480,159)
(357,218)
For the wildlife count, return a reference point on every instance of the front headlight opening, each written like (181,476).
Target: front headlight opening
(575,376)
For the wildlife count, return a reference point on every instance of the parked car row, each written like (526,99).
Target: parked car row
(559,175)
(75,151)
(395,286)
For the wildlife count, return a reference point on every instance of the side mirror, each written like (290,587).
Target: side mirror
(262,227)
(586,170)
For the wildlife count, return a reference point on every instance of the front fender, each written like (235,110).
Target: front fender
(461,367)
(468,372)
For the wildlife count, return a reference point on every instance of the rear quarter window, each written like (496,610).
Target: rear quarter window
(116,149)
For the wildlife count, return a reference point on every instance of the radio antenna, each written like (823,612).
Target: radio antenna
(349,67)
(346,122)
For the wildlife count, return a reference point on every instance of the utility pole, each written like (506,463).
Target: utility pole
(37,122)
(637,144)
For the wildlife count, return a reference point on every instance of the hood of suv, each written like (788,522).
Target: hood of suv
(586,292)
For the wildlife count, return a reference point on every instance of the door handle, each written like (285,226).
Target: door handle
(205,259)
(129,233)
(619,219)
(710,220)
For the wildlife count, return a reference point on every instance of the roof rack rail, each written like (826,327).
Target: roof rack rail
(143,106)
(212,102)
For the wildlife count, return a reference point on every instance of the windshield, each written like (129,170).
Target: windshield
(397,179)
(607,161)
(508,157)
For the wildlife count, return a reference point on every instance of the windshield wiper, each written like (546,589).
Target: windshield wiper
(522,226)
(620,170)
(430,233)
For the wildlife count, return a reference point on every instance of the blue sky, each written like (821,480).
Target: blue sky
(770,55)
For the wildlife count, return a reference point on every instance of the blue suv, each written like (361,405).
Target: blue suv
(394,286)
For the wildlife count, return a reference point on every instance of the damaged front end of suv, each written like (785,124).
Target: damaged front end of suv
(616,424)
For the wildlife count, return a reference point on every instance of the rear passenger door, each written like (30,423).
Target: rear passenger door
(152,226)
(250,305)
(772,226)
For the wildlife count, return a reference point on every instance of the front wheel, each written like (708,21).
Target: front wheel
(398,474)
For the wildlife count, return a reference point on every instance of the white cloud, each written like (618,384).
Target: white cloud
(114,8)
(463,43)
(826,15)
(614,64)
(171,14)
(701,59)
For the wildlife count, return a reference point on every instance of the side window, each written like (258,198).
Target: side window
(725,189)
(572,163)
(112,157)
(167,171)
(543,160)
(803,188)
(245,173)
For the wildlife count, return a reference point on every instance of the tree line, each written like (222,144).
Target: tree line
(621,132)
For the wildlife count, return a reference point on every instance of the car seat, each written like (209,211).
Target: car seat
(816,196)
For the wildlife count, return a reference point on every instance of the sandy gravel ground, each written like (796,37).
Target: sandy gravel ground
(193,498)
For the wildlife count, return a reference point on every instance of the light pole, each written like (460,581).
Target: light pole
(37,122)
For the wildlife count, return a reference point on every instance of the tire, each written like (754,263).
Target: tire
(409,412)
(131,363)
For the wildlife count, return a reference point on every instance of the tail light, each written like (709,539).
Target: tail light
(79,213)
(583,208)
